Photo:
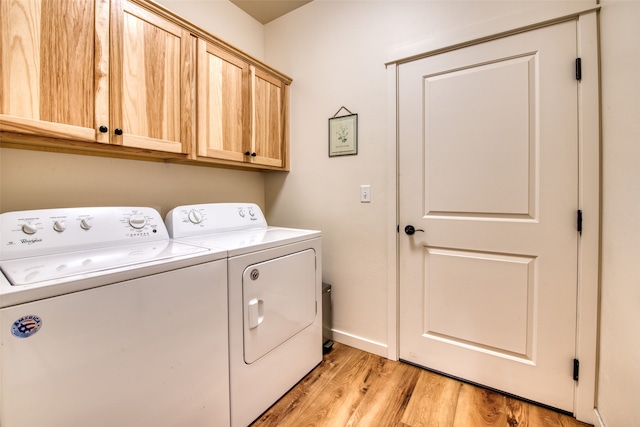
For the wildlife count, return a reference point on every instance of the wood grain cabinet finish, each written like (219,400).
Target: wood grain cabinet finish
(54,68)
(269,114)
(129,78)
(96,71)
(223,104)
(242,110)
(152,80)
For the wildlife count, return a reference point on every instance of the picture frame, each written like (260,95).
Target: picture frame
(343,135)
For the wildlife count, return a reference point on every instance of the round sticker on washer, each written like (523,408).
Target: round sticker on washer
(26,326)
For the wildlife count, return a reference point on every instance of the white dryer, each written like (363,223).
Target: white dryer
(105,321)
(275,297)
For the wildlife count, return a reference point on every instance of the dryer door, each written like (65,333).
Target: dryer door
(279,301)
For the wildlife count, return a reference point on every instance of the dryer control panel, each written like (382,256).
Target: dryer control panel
(50,231)
(192,220)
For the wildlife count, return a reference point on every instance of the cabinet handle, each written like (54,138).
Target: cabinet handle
(118,131)
(249,153)
(103,129)
(253,154)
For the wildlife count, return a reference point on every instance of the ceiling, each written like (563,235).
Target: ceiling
(268,10)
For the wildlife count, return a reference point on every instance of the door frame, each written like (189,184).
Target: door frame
(585,14)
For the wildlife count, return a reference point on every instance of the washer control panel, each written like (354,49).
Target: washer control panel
(190,220)
(48,231)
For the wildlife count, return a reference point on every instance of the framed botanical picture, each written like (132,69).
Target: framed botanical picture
(343,135)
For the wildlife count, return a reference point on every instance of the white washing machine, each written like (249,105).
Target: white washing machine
(105,321)
(275,298)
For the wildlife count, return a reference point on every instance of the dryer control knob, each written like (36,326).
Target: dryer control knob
(59,226)
(85,224)
(29,228)
(195,217)
(137,221)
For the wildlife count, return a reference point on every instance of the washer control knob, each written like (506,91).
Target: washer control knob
(59,226)
(195,217)
(29,228)
(251,212)
(241,213)
(137,221)
(85,224)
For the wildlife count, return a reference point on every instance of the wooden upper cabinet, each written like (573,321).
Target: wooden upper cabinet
(223,104)
(123,73)
(269,137)
(242,110)
(97,71)
(152,80)
(53,74)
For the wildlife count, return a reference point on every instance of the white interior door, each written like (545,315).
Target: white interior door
(488,168)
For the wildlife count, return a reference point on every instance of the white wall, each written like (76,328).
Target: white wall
(335,51)
(224,20)
(41,180)
(619,378)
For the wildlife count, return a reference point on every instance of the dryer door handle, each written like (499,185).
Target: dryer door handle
(255,309)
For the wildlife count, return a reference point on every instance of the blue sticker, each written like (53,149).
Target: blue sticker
(26,326)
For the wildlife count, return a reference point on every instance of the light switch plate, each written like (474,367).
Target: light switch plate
(365,193)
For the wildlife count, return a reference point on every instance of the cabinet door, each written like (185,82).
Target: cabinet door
(53,72)
(269,131)
(152,80)
(223,99)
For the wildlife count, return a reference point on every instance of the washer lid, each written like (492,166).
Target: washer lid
(90,263)
(246,241)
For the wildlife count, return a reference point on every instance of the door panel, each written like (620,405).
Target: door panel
(279,301)
(488,169)
(152,80)
(49,65)
(268,138)
(467,171)
(223,100)
(472,280)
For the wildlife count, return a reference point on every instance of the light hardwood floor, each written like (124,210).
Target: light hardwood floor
(354,388)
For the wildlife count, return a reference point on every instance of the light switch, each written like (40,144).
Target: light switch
(365,193)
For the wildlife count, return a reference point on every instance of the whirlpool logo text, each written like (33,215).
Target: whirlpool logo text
(30,241)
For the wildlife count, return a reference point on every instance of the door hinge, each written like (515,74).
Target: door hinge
(579,221)
(576,369)
(578,69)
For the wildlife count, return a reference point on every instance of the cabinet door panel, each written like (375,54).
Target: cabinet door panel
(223,125)
(47,71)
(268,136)
(152,80)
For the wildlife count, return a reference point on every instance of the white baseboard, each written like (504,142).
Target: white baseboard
(360,343)
(598,422)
